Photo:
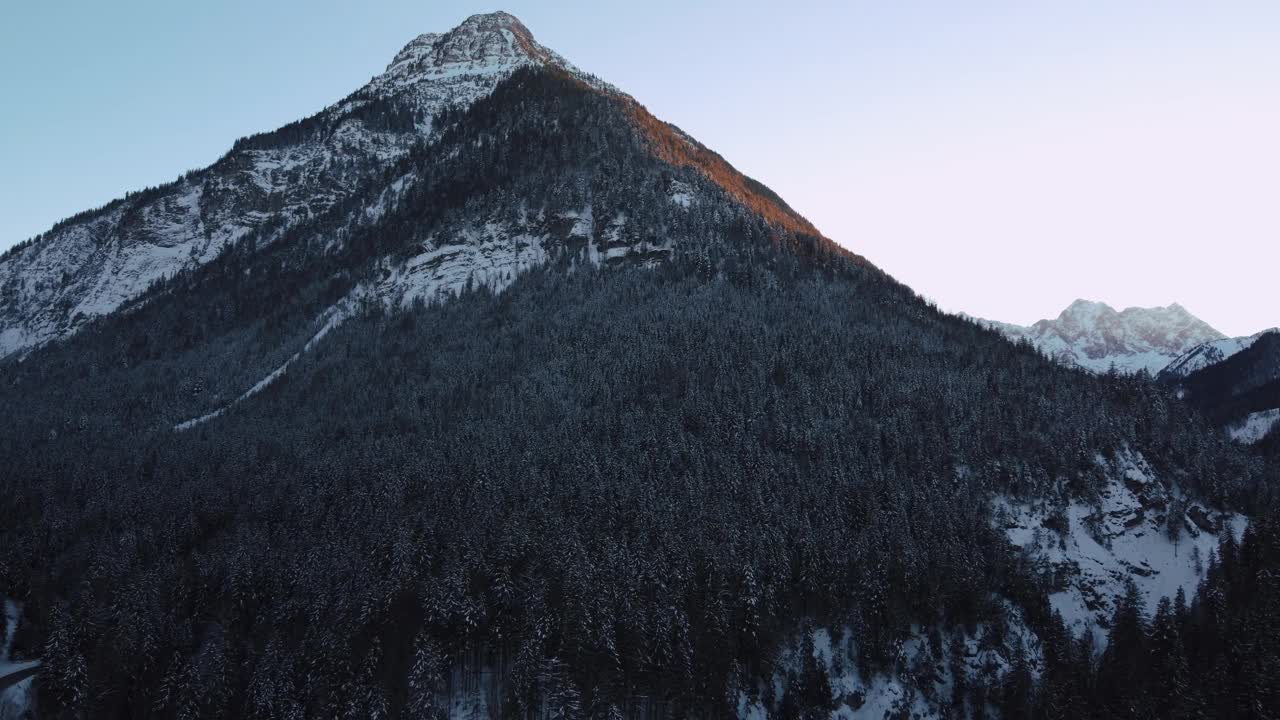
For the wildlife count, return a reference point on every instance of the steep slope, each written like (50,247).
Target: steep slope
(563,416)
(93,263)
(1142,531)
(602,478)
(1242,392)
(1094,336)
(352,161)
(1210,353)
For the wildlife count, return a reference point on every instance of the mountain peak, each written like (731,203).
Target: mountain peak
(287,175)
(497,19)
(1081,313)
(1172,309)
(345,156)
(479,44)
(1092,310)
(1082,304)
(1093,335)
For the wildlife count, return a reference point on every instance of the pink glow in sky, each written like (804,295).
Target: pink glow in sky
(1013,213)
(1132,180)
(1004,159)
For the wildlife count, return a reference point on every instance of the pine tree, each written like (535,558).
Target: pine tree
(1121,670)
(1017,687)
(562,699)
(424,679)
(1168,671)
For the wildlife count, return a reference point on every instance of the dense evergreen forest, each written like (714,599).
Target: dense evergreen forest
(620,489)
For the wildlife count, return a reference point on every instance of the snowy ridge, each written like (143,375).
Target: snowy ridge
(1210,353)
(97,264)
(1095,337)
(1094,550)
(494,44)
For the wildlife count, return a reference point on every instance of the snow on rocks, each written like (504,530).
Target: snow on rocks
(1094,549)
(682,194)
(921,684)
(1210,353)
(95,265)
(491,256)
(1255,427)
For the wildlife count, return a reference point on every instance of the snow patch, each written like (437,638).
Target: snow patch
(15,702)
(489,256)
(1255,427)
(330,319)
(985,657)
(1094,549)
(682,194)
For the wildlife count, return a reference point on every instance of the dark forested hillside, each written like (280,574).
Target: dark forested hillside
(1246,382)
(613,484)
(644,491)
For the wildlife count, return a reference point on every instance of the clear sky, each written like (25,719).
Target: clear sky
(1002,158)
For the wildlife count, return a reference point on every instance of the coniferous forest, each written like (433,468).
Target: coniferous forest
(614,489)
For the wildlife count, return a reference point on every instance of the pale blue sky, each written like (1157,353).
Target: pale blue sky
(1002,158)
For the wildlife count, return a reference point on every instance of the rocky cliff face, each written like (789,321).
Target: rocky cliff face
(97,262)
(1140,530)
(1094,336)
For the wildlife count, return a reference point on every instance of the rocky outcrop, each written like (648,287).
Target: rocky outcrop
(98,261)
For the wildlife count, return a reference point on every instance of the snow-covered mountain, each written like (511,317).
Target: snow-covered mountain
(92,264)
(691,423)
(1096,337)
(1209,353)
(342,171)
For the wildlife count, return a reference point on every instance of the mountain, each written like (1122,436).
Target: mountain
(1094,336)
(1232,396)
(98,261)
(1206,354)
(1241,392)
(345,156)
(543,409)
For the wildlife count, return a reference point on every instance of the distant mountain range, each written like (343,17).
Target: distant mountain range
(1096,337)
(1230,379)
